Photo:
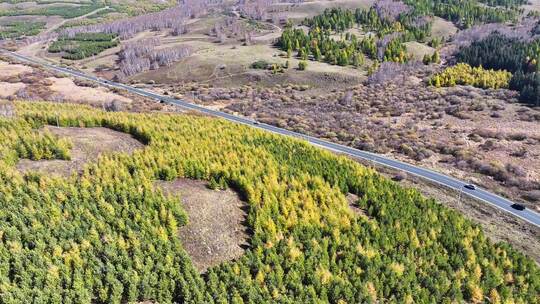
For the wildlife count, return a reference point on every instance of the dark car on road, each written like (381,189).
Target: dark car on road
(470,186)
(519,207)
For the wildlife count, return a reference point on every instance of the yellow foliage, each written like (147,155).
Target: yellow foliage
(372,292)
(464,74)
(324,275)
(476,293)
(397,268)
(366,252)
(494,297)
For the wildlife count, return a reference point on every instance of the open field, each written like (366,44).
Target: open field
(417,50)
(87,145)
(29,82)
(215,232)
(228,66)
(442,28)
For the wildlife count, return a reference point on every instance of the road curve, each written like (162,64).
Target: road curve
(480,194)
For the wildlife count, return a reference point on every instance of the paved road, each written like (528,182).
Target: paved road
(481,194)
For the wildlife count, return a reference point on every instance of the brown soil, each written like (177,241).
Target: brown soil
(20,81)
(215,231)
(88,145)
(352,199)
(8,70)
(71,91)
(497,225)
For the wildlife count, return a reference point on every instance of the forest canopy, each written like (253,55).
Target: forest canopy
(109,236)
(499,52)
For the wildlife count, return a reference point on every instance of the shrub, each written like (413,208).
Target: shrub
(260,65)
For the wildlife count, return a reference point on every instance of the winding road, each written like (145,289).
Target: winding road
(480,194)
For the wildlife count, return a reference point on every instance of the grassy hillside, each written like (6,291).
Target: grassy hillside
(109,236)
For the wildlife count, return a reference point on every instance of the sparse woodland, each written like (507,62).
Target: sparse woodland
(109,236)
(142,55)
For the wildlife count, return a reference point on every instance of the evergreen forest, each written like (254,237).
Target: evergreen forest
(109,235)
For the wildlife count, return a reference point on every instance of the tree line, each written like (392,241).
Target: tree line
(109,236)
(514,55)
(83,45)
(467,13)
(464,74)
(319,44)
(17,29)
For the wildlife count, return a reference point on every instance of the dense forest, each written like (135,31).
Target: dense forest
(464,74)
(17,29)
(469,12)
(511,54)
(83,45)
(109,236)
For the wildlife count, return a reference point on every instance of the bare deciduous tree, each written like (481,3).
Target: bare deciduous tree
(390,10)
(142,55)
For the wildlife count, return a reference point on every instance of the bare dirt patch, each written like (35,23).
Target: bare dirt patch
(418,50)
(215,232)
(88,145)
(442,28)
(7,69)
(10,89)
(71,91)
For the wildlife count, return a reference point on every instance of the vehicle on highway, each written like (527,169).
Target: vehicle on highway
(531,216)
(519,207)
(470,186)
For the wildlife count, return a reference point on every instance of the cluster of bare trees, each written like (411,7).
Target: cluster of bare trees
(255,9)
(261,9)
(525,30)
(173,19)
(7,109)
(232,27)
(395,72)
(390,10)
(142,55)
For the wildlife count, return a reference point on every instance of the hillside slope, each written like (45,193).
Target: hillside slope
(109,236)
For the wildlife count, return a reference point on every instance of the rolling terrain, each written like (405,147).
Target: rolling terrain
(269,151)
(305,241)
